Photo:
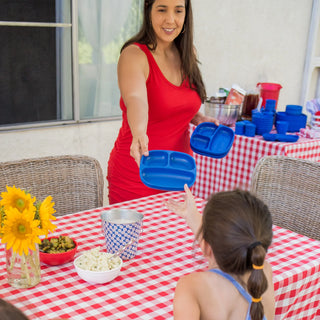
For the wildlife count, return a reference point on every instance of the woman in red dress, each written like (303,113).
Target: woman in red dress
(161,92)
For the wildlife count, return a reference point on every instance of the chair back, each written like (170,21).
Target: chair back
(75,182)
(291,189)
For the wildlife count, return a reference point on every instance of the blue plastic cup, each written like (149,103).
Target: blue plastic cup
(282,127)
(270,105)
(250,130)
(119,226)
(240,128)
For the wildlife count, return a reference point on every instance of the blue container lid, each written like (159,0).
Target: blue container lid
(210,140)
(280,137)
(293,109)
(167,170)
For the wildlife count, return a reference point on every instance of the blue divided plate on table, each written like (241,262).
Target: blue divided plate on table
(167,170)
(211,140)
(280,137)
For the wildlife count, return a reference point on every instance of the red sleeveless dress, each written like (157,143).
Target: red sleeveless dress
(171,108)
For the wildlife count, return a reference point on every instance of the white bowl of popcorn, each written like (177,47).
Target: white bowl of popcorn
(96,266)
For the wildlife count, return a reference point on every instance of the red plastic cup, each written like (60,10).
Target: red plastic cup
(269,91)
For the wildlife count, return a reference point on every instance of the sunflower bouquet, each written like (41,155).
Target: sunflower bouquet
(23,220)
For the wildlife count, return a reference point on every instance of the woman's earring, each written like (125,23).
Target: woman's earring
(183,29)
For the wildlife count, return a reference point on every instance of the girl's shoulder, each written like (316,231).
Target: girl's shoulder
(203,280)
(212,295)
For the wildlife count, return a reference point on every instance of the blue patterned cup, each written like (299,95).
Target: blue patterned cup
(119,226)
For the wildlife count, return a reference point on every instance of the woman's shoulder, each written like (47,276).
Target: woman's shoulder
(133,51)
(132,57)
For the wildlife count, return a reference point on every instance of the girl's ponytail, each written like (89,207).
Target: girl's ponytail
(257,282)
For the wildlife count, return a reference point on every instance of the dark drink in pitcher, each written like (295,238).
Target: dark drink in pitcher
(250,102)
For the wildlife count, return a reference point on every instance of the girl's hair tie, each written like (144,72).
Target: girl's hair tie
(254,244)
(255,267)
(256,300)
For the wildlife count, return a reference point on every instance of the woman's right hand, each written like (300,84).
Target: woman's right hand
(139,147)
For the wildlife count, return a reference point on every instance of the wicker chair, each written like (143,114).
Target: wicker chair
(75,182)
(291,189)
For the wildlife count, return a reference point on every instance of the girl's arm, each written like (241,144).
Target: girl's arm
(133,70)
(187,210)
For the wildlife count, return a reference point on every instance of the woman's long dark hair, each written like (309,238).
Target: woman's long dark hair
(184,44)
(238,227)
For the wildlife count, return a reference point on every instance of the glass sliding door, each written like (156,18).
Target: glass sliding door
(104,25)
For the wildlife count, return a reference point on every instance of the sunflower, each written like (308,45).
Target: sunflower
(17,198)
(45,214)
(20,230)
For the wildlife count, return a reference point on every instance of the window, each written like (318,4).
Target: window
(58,59)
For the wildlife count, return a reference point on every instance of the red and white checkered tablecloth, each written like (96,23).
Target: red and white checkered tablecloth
(235,170)
(145,287)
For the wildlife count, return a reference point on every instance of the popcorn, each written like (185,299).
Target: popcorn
(96,260)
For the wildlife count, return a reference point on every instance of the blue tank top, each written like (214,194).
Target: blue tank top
(242,291)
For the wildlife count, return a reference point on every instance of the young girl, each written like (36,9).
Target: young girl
(234,234)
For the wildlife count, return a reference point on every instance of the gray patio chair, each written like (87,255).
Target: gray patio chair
(291,189)
(74,181)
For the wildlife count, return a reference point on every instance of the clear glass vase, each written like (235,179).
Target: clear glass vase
(23,271)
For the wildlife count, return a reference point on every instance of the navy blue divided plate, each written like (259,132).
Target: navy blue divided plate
(280,137)
(287,137)
(167,170)
(211,140)
(269,136)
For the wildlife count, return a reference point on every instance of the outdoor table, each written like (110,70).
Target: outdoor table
(235,170)
(145,287)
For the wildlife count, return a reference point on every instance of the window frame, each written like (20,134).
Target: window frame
(74,71)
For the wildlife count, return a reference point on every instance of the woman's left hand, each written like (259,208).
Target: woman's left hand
(200,118)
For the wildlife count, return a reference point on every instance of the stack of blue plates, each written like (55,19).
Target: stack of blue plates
(210,140)
(263,122)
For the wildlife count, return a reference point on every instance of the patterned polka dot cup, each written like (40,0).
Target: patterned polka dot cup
(119,226)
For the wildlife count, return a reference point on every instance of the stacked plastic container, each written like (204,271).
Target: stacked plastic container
(265,118)
(294,116)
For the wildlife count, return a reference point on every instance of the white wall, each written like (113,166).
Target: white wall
(251,41)
(244,42)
